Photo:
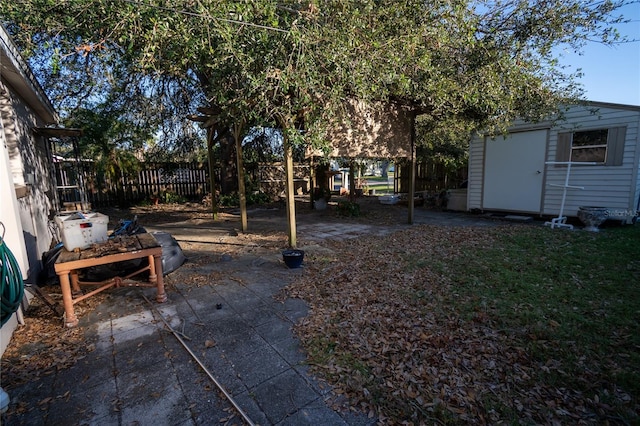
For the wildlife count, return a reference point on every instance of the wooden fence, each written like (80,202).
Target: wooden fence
(166,181)
(190,181)
(430,176)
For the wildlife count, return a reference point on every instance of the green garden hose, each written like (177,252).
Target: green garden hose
(11,282)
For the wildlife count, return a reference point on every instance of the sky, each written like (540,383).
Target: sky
(612,73)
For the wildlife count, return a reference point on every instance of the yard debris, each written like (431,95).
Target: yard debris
(382,332)
(43,345)
(120,244)
(387,340)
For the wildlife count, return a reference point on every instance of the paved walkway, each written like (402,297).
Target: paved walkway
(138,373)
(319,231)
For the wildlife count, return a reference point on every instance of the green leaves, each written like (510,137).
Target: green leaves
(478,61)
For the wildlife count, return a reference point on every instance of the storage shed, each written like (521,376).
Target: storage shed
(517,173)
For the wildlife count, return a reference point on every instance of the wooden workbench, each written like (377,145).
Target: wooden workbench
(118,249)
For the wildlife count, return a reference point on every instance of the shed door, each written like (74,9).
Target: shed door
(514,171)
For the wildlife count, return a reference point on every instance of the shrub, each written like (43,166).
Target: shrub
(173,198)
(348,208)
(233,199)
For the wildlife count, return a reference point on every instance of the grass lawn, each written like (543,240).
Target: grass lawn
(517,324)
(380,184)
(572,300)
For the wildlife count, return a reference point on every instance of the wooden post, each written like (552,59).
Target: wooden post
(291,201)
(237,130)
(412,170)
(212,176)
(312,181)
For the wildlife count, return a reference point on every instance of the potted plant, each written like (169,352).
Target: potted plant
(293,258)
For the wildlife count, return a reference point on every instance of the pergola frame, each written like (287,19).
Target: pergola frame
(368,130)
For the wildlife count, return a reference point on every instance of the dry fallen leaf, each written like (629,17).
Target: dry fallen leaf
(381,303)
(384,308)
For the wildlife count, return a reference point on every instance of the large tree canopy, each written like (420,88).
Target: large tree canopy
(295,62)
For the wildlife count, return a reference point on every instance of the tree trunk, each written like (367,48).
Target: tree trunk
(352,182)
(385,168)
(412,170)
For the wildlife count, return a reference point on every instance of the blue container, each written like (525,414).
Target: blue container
(293,258)
(4,400)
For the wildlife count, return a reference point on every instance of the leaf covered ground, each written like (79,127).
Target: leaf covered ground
(474,325)
(432,324)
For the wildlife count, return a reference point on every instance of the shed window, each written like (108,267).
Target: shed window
(590,146)
(604,146)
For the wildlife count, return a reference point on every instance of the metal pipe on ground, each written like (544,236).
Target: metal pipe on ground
(213,379)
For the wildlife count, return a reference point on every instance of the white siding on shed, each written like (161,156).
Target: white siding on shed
(604,186)
(616,187)
(636,199)
(476,175)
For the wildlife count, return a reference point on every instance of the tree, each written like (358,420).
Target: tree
(111,143)
(445,141)
(293,63)
(480,61)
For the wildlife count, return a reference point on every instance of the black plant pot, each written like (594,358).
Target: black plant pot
(293,258)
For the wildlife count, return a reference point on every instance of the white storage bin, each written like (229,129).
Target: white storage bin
(81,230)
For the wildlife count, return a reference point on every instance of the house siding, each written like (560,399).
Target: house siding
(28,157)
(635,202)
(615,187)
(24,176)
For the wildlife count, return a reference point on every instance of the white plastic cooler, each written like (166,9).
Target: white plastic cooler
(81,230)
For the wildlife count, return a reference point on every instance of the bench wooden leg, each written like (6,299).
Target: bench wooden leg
(70,316)
(155,265)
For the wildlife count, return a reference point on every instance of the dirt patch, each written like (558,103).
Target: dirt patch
(371,211)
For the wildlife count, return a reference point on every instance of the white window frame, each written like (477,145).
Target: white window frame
(615,145)
(585,147)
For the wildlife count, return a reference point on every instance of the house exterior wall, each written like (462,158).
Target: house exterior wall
(29,165)
(24,171)
(637,192)
(615,187)
(475,178)
(12,229)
